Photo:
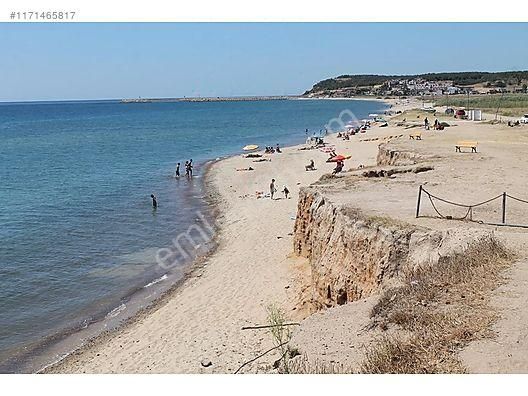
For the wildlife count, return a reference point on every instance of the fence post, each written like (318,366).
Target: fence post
(503,208)
(419,200)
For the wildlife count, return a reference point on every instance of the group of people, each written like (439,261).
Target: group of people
(273,190)
(346,135)
(514,123)
(437,126)
(188,169)
(188,173)
(271,150)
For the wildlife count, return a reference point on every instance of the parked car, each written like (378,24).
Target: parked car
(524,119)
(460,114)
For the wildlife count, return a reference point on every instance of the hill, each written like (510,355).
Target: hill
(349,85)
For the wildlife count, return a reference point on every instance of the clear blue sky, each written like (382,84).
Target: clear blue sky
(95,61)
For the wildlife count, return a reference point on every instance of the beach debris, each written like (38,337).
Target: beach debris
(259,356)
(206,363)
(269,326)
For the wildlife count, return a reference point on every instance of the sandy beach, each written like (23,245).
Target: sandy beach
(252,268)
(199,328)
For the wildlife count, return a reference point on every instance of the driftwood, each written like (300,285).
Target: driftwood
(259,356)
(268,326)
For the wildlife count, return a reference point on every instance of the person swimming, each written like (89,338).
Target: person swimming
(154,201)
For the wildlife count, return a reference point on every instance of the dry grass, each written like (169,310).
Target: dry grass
(508,105)
(301,365)
(437,311)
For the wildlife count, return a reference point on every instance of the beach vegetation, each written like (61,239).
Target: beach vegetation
(437,311)
(506,104)
(281,335)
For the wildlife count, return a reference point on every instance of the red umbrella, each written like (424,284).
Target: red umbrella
(337,158)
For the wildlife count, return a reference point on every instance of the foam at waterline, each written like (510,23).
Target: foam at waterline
(158,280)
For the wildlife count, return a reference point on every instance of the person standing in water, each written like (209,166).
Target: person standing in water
(190,167)
(187,168)
(273,190)
(177,173)
(154,201)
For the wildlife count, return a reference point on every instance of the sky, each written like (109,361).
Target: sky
(127,60)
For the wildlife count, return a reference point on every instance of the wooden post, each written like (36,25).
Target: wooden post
(503,208)
(419,200)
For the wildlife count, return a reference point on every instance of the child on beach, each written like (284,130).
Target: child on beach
(286,192)
(273,190)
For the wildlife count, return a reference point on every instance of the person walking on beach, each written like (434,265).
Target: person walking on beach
(426,124)
(273,190)
(154,201)
(177,173)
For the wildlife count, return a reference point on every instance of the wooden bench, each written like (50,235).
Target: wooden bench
(415,135)
(466,144)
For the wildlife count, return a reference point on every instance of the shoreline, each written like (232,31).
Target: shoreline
(198,328)
(217,210)
(224,204)
(71,340)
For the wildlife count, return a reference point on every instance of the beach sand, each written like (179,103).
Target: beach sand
(251,268)
(253,265)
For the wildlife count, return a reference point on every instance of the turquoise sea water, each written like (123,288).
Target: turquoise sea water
(78,235)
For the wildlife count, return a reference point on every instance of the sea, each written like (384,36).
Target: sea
(79,240)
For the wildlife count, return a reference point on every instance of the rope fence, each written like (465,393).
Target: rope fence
(469,212)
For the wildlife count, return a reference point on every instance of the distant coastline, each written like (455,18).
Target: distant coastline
(210,99)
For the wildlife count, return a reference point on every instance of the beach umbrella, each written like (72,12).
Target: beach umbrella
(338,158)
(250,147)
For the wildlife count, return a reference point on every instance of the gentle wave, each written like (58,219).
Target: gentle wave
(158,280)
